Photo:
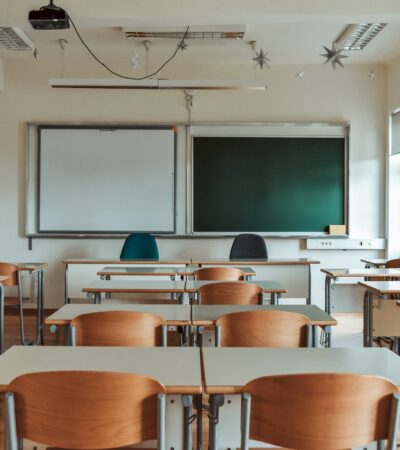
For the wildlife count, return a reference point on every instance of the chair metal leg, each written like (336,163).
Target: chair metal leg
(10,427)
(380,445)
(161,421)
(394,422)
(187,402)
(245,421)
(217,335)
(72,336)
(216,401)
(164,330)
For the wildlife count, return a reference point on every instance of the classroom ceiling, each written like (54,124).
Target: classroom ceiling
(292,31)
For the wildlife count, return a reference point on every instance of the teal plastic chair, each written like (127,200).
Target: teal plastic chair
(140,246)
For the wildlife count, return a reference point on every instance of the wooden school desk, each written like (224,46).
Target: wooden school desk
(377,262)
(332,275)
(189,271)
(135,287)
(227,370)
(305,262)
(2,278)
(268,287)
(36,270)
(174,315)
(178,369)
(206,315)
(383,290)
(76,268)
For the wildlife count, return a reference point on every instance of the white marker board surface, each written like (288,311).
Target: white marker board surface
(94,179)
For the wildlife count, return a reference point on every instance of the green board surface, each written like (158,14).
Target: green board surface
(268,184)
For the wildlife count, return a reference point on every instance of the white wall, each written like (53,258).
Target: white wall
(323,96)
(393,192)
(1,76)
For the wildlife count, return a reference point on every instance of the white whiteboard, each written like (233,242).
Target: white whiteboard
(106,180)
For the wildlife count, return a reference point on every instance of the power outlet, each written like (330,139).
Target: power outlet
(346,244)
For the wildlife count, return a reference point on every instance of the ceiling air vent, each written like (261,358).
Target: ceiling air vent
(195,32)
(13,38)
(357,36)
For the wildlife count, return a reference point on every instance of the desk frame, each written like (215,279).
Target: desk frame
(263,262)
(331,277)
(126,262)
(369,295)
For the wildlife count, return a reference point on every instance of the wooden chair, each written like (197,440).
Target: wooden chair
(262,329)
(320,411)
(84,410)
(230,293)
(119,328)
(219,273)
(12,271)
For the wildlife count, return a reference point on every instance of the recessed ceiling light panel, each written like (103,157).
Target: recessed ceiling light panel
(357,37)
(195,32)
(13,38)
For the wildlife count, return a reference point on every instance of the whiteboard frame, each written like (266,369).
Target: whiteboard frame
(269,129)
(33,157)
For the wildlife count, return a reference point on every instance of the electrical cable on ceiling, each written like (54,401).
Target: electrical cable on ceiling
(182,41)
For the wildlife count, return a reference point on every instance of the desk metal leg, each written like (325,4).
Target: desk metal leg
(370,320)
(66,299)
(97,298)
(199,404)
(40,310)
(314,336)
(308,299)
(365,318)
(328,281)
(187,402)
(216,401)
(1,318)
(108,294)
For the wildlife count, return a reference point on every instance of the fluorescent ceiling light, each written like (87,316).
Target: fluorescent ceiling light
(195,32)
(356,37)
(13,38)
(153,83)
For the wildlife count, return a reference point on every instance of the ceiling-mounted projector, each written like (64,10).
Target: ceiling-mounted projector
(49,17)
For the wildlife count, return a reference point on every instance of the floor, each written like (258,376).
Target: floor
(348,333)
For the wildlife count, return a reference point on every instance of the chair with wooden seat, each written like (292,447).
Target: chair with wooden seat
(14,280)
(119,328)
(262,329)
(219,273)
(230,293)
(84,410)
(323,411)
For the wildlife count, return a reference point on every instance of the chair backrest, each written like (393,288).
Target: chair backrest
(118,328)
(319,411)
(86,410)
(230,293)
(248,246)
(219,273)
(140,246)
(11,271)
(262,329)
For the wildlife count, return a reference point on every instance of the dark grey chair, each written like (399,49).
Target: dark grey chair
(248,246)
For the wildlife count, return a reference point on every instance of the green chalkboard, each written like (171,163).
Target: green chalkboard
(268,184)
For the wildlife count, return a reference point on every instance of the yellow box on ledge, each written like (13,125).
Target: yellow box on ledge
(337,229)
